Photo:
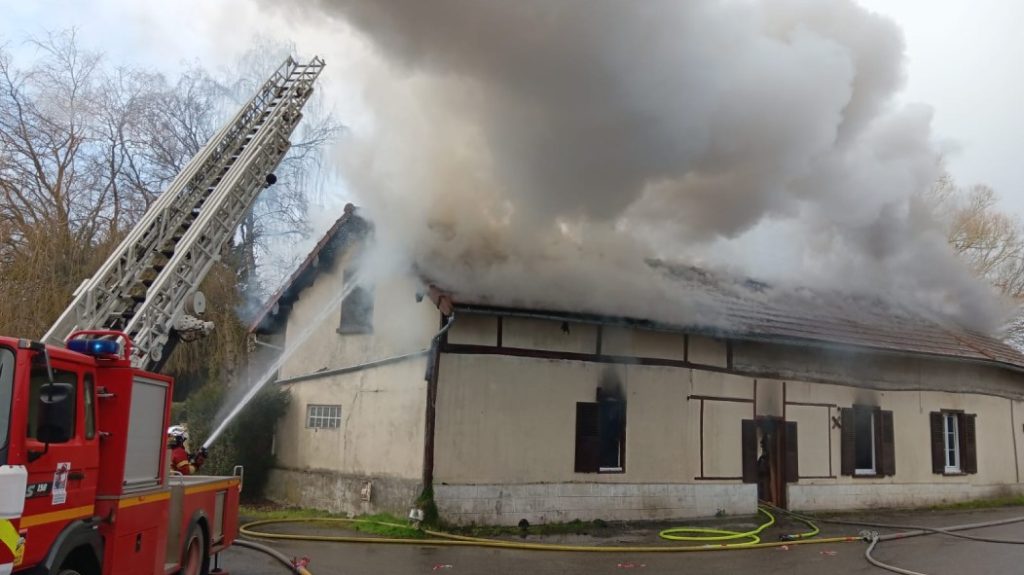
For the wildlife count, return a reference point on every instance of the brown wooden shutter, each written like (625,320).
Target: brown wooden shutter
(588,438)
(887,457)
(968,445)
(938,443)
(792,458)
(848,438)
(749,450)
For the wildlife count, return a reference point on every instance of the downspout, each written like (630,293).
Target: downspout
(433,367)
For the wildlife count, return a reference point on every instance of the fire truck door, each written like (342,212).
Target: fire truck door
(63,445)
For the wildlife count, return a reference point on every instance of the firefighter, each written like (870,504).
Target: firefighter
(181,461)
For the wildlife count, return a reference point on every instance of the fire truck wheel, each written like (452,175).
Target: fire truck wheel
(193,555)
(68,572)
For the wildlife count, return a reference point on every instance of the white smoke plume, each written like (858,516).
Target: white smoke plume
(537,151)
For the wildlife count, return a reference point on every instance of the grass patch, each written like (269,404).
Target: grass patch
(369,524)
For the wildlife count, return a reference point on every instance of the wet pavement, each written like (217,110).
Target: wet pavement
(933,554)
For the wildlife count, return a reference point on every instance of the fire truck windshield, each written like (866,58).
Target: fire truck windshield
(6,392)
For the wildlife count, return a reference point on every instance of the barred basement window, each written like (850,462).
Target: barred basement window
(323,416)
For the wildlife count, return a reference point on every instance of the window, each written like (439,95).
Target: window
(864,441)
(356,308)
(954,449)
(90,408)
(51,417)
(600,436)
(323,416)
(868,444)
(951,443)
(6,392)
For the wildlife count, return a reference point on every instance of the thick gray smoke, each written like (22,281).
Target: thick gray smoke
(538,150)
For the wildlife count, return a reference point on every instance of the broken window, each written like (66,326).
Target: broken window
(601,436)
(868,445)
(954,447)
(356,308)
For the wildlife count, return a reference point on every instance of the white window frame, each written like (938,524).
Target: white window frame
(953,466)
(873,470)
(323,416)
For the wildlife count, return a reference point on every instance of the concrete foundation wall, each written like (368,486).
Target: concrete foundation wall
(865,496)
(504,504)
(340,493)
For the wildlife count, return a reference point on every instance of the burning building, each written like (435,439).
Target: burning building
(733,390)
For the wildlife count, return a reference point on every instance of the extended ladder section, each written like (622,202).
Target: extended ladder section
(143,288)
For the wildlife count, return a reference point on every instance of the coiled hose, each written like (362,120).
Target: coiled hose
(708,535)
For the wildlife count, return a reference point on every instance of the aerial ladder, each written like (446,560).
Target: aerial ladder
(85,482)
(149,287)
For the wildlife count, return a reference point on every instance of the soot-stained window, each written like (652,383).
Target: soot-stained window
(601,436)
(356,308)
(868,444)
(864,441)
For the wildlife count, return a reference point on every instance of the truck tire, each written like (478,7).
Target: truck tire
(68,572)
(193,553)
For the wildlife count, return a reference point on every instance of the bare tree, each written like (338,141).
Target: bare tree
(279,216)
(85,147)
(989,240)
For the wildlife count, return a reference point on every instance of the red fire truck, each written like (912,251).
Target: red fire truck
(89,430)
(85,482)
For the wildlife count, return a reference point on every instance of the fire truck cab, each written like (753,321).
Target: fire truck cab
(82,434)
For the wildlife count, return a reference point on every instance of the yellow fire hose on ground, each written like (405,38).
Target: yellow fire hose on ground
(712,539)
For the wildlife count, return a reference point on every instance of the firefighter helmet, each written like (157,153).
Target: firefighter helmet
(178,433)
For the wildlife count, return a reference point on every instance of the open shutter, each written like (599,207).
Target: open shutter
(792,459)
(588,437)
(887,459)
(849,436)
(968,446)
(749,450)
(938,453)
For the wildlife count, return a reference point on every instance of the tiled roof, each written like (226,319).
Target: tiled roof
(748,309)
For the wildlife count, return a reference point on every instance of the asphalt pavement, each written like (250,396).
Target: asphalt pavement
(932,555)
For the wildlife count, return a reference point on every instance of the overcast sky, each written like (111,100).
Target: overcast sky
(965,58)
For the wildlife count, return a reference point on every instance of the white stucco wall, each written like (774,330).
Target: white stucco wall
(381,435)
(400,324)
(507,423)
(505,435)
(997,463)
(382,422)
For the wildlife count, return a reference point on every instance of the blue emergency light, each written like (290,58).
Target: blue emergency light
(95,347)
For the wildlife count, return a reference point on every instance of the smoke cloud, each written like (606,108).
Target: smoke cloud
(539,152)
